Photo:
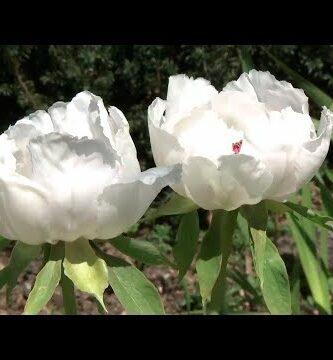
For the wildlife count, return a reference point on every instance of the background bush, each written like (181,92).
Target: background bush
(131,76)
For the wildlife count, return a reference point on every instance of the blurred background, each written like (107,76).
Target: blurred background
(131,77)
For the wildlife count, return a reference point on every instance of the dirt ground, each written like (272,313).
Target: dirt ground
(165,280)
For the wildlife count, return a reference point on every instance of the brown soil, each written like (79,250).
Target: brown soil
(165,280)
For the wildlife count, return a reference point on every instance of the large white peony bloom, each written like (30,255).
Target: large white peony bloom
(252,141)
(72,172)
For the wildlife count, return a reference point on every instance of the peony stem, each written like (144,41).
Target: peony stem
(68,294)
(227,222)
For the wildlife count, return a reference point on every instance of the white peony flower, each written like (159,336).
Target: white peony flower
(72,172)
(252,141)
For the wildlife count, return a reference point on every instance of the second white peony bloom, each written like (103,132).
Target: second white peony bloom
(73,172)
(254,140)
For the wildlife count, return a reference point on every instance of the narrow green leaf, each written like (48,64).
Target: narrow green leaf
(21,257)
(295,285)
(140,250)
(329,174)
(176,205)
(323,247)
(215,247)
(88,272)
(307,202)
(134,291)
(312,268)
(322,220)
(328,202)
(311,90)
(245,58)
(46,281)
(68,294)
(186,242)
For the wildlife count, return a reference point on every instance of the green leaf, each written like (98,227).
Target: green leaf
(4,242)
(268,264)
(276,289)
(327,200)
(311,90)
(68,294)
(258,246)
(186,242)
(134,291)
(245,58)
(215,247)
(322,220)
(88,272)
(176,205)
(329,174)
(46,281)
(295,285)
(256,215)
(312,268)
(21,257)
(307,202)
(140,250)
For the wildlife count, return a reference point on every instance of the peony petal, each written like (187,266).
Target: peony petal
(24,209)
(74,173)
(205,134)
(185,94)
(122,205)
(240,179)
(7,150)
(276,95)
(123,143)
(166,148)
(297,165)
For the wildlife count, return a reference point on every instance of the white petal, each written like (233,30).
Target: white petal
(307,158)
(122,205)
(205,134)
(74,173)
(166,148)
(24,210)
(123,143)
(276,95)
(7,150)
(240,179)
(80,117)
(185,94)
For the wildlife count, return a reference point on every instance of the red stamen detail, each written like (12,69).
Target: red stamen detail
(236,147)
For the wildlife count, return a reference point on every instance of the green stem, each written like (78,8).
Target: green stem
(68,294)
(227,223)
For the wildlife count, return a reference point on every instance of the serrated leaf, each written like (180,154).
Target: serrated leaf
(175,205)
(88,272)
(186,242)
(140,250)
(46,281)
(134,291)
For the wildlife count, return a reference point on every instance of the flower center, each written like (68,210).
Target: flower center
(236,147)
